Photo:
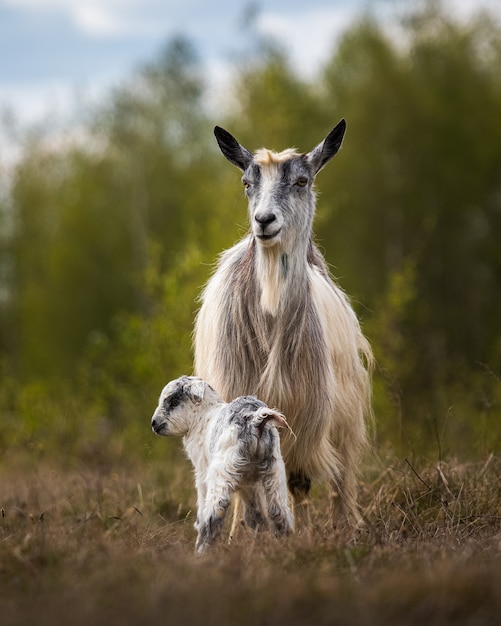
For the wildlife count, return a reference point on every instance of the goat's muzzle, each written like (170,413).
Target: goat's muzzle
(157,425)
(266,226)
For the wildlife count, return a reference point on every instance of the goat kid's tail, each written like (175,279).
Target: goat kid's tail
(265,414)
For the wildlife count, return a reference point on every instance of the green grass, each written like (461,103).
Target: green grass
(107,545)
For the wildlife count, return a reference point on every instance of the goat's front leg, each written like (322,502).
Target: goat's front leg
(211,518)
(300,485)
(201,496)
(345,512)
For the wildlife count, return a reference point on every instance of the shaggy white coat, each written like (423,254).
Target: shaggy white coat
(274,324)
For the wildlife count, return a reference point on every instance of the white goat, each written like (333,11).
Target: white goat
(275,325)
(233,447)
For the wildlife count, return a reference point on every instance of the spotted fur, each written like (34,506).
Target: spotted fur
(234,447)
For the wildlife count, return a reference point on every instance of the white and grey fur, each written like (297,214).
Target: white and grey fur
(275,325)
(233,447)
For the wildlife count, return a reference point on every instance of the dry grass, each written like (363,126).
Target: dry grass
(91,547)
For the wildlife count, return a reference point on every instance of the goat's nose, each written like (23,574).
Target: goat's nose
(154,424)
(265,219)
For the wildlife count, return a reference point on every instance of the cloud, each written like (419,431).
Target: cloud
(54,45)
(309,35)
(467,8)
(99,18)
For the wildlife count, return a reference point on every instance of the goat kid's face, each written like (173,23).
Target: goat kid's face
(279,186)
(174,412)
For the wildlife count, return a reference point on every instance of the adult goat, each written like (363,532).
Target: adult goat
(275,325)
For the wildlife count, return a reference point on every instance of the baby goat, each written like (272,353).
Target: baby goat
(234,447)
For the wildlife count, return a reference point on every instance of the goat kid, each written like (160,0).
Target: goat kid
(234,447)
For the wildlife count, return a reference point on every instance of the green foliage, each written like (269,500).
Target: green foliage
(106,240)
(276,108)
(126,371)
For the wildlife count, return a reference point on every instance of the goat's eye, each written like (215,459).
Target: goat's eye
(302,181)
(174,403)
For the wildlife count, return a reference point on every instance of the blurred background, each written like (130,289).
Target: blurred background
(115,202)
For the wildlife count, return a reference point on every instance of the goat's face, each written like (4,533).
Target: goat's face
(174,413)
(279,185)
(281,202)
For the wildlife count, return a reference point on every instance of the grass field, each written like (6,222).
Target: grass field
(93,545)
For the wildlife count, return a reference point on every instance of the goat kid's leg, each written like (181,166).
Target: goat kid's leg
(201,495)
(252,501)
(211,520)
(277,498)
(300,485)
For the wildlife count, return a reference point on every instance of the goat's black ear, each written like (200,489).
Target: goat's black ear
(232,150)
(328,148)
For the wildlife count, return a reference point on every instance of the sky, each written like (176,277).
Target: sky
(54,54)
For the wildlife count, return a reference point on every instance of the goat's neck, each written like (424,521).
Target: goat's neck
(195,435)
(278,272)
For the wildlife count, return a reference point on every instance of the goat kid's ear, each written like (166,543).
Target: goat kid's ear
(197,391)
(328,148)
(232,150)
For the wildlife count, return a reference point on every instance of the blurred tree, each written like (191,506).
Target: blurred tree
(106,241)
(84,216)
(416,227)
(276,107)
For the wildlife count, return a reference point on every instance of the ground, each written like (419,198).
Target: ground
(98,545)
